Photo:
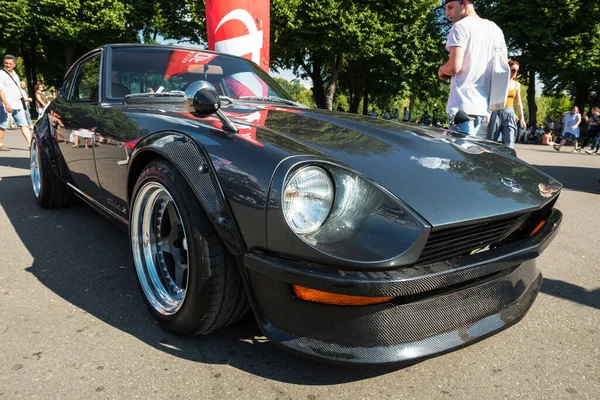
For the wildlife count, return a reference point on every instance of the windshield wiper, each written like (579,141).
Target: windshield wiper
(227,99)
(171,93)
(273,99)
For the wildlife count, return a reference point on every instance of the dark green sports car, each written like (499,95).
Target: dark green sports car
(352,239)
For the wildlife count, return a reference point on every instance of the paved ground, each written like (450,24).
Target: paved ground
(73,325)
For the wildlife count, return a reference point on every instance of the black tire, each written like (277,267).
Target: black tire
(53,192)
(214,293)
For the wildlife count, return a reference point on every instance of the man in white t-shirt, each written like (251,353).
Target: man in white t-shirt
(10,94)
(471,43)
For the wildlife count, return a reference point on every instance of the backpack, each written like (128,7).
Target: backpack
(500,80)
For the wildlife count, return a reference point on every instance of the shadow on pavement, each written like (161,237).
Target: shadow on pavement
(572,292)
(85,259)
(580,179)
(14,162)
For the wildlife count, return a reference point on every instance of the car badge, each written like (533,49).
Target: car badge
(512,185)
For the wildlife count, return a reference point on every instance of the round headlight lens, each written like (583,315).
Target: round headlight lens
(307,199)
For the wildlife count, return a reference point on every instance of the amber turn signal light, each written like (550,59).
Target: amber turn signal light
(537,228)
(318,296)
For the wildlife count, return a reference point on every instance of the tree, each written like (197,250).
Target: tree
(573,57)
(429,54)
(180,20)
(324,38)
(50,34)
(527,27)
(558,40)
(19,37)
(76,26)
(298,92)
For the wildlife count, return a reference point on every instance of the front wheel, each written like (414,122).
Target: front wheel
(49,190)
(189,281)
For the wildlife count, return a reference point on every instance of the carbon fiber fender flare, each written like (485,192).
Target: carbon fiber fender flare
(192,160)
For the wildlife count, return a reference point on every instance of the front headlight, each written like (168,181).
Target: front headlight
(307,199)
(329,214)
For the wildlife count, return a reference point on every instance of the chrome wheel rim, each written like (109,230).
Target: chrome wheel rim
(159,246)
(34,168)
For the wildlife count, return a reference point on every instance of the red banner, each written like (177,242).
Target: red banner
(241,28)
(182,61)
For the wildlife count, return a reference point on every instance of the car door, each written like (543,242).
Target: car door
(77,112)
(118,128)
(117,134)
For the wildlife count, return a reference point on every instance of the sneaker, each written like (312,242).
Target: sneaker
(589,151)
(557,148)
(3,148)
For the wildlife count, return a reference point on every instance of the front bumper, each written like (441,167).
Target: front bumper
(437,307)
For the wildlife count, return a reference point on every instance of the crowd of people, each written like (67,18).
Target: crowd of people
(580,130)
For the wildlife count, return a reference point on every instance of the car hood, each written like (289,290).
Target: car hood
(443,176)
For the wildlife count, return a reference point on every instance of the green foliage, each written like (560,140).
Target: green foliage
(372,45)
(307,97)
(558,40)
(80,21)
(51,34)
(298,92)
(180,20)
(341,100)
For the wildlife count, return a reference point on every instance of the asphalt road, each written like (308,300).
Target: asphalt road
(73,324)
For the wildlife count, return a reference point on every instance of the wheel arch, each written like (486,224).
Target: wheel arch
(46,143)
(181,151)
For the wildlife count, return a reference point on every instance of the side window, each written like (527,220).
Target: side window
(86,84)
(66,87)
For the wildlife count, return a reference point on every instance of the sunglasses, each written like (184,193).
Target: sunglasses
(514,70)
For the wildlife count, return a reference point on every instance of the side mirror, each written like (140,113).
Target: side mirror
(201,99)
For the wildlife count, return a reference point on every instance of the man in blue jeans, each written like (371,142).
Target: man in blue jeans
(10,95)
(472,42)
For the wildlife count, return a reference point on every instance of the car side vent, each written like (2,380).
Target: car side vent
(444,244)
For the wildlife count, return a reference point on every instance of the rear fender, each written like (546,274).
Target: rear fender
(192,160)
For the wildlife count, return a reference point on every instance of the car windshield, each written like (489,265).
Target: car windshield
(137,70)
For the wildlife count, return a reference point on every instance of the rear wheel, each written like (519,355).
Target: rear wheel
(49,190)
(189,281)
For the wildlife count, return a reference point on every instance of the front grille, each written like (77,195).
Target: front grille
(451,242)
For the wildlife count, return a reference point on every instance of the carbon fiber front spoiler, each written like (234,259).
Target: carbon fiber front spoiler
(442,309)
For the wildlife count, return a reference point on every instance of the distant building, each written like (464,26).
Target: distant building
(305,83)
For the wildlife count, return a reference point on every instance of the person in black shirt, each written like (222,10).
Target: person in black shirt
(426,118)
(594,132)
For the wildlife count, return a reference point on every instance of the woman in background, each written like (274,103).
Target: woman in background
(503,123)
(41,100)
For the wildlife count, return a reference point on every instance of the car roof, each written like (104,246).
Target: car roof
(163,46)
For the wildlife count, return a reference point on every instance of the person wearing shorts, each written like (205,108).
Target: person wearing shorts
(10,94)
(572,119)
